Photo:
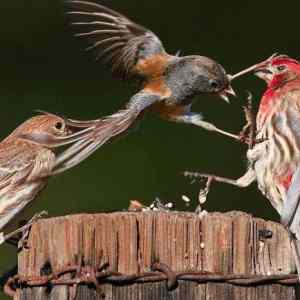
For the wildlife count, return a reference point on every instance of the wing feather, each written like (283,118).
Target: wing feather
(114,38)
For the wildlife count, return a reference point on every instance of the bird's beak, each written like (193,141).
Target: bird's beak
(228,91)
(255,68)
(264,73)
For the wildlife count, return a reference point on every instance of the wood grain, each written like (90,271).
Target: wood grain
(130,242)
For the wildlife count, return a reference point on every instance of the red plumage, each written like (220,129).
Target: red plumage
(278,122)
(274,161)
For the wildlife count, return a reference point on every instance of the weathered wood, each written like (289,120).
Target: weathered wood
(130,242)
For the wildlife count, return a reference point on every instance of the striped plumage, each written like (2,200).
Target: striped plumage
(274,161)
(281,155)
(27,159)
(278,123)
(277,167)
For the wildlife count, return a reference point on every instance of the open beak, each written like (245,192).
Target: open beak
(257,68)
(264,73)
(228,91)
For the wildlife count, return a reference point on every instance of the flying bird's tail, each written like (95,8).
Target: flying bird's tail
(105,130)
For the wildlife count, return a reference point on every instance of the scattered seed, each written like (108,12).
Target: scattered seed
(169,205)
(185,198)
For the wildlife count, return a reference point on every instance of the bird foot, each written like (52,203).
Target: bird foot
(23,242)
(24,230)
(202,213)
(203,193)
(247,135)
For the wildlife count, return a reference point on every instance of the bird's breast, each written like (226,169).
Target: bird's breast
(14,199)
(169,109)
(277,161)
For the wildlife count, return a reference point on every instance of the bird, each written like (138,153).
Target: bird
(274,160)
(27,158)
(167,83)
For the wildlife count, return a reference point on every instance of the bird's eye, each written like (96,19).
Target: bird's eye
(281,68)
(59,125)
(214,84)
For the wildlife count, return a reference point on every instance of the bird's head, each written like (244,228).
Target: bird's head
(199,74)
(43,124)
(48,130)
(278,70)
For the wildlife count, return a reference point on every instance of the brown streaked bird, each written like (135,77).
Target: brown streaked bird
(27,159)
(168,83)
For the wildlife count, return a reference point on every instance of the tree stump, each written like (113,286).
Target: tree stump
(219,244)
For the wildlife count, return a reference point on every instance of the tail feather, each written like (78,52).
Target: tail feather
(106,129)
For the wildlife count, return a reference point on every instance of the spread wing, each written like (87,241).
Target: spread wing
(130,49)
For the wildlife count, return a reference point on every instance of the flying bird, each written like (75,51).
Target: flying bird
(274,161)
(27,159)
(168,83)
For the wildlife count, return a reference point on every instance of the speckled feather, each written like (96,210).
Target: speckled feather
(25,164)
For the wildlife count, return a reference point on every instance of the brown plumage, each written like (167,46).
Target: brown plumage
(27,159)
(168,83)
(130,49)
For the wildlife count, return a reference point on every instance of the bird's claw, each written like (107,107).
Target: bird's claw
(197,175)
(23,242)
(203,193)
(201,213)
(247,135)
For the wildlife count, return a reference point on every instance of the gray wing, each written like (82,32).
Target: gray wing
(114,38)
(290,214)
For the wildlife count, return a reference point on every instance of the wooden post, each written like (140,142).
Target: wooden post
(230,243)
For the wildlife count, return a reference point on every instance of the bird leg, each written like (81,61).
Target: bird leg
(247,134)
(196,119)
(241,182)
(202,196)
(24,230)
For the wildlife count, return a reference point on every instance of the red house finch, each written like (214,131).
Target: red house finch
(167,83)
(274,162)
(27,159)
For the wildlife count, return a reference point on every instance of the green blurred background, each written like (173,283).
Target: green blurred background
(44,67)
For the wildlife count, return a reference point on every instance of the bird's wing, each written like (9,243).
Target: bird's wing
(130,49)
(290,214)
(289,125)
(14,162)
(21,161)
(23,168)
